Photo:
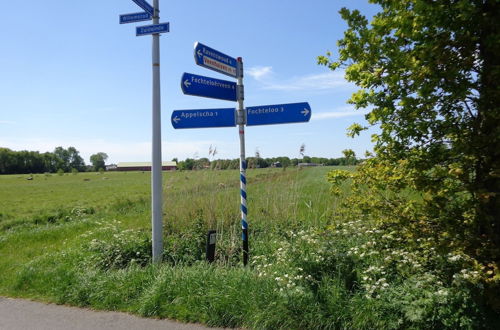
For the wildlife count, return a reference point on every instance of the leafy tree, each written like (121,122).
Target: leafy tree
(187,164)
(348,153)
(62,157)
(6,160)
(429,73)
(350,156)
(306,159)
(234,164)
(333,162)
(49,162)
(285,161)
(201,163)
(98,160)
(75,160)
(12,162)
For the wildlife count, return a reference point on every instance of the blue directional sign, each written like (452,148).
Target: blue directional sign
(152,29)
(135,17)
(193,84)
(215,60)
(278,114)
(144,5)
(224,117)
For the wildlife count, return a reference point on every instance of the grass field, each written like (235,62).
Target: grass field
(51,214)
(84,240)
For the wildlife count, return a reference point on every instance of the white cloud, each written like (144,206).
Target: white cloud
(260,72)
(341,113)
(322,81)
(313,82)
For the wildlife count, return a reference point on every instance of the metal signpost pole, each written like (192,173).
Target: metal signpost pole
(241,121)
(156,175)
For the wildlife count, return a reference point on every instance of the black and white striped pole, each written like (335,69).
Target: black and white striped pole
(241,121)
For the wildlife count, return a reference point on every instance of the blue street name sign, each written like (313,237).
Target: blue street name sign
(144,5)
(224,117)
(152,29)
(135,17)
(278,114)
(193,84)
(215,60)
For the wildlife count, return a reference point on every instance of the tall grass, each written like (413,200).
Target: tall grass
(51,212)
(308,268)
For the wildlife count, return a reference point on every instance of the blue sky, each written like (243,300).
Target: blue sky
(72,76)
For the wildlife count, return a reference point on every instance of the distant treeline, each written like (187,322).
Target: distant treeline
(19,162)
(254,162)
(69,160)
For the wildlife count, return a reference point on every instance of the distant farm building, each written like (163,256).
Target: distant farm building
(144,166)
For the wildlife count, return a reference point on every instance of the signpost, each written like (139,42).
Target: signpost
(135,17)
(225,117)
(146,6)
(156,180)
(192,84)
(152,29)
(226,90)
(278,114)
(214,60)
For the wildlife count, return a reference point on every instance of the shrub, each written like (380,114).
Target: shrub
(116,248)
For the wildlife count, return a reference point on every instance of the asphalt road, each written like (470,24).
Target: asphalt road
(19,314)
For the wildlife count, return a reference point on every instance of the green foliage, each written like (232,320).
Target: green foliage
(429,72)
(98,160)
(259,162)
(187,164)
(188,246)
(381,193)
(117,248)
(12,162)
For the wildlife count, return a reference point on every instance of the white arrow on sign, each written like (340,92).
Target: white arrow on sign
(199,53)
(176,119)
(305,112)
(187,83)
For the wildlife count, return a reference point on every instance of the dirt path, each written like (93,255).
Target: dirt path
(19,314)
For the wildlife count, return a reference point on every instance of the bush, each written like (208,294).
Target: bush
(116,248)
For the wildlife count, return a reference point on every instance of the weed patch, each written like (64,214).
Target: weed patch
(117,248)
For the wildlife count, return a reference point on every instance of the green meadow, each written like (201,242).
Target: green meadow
(84,240)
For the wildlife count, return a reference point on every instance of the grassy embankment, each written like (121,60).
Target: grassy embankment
(85,240)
